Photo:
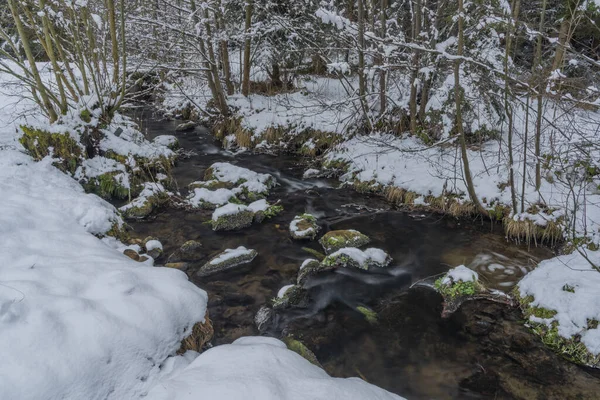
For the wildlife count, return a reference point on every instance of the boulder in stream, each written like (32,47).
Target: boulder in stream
(291,296)
(231,217)
(262,209)
(186,126)
(169,141)
(304,227)
(152,196)
(190,251)
(335,240)
(356,258)
(227,260)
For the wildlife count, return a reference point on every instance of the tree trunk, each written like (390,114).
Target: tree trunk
(41,89)
(110,5)
(459,122)
(362,90)
(416,31)
(247,49)
(382,72)
(541,88)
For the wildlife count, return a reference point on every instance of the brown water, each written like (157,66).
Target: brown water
(411,351)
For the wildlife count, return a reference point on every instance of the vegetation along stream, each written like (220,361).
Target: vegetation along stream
(401,342)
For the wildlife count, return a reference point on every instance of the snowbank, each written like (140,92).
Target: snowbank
(568,287)
(78,320)
(260,368)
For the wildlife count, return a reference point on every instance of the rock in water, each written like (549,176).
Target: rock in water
(232,217)
(304,227)
(356,258)
(227,260)
(190,251)
(336,240)
(263,317)
(186,126)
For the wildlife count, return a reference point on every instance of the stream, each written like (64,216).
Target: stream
(482,352)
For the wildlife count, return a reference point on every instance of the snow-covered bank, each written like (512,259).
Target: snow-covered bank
(78,319)
(260,368)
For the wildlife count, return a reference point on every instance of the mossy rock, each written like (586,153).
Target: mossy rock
(300,348)
(335,240)
(211,185)
(232,222)
(186,127)
(143,208)
(294,297)
(304,227)
(226,261)
(169,141)
(270,212)
(190,251)
(65,149)
(351,257)
(452,289)
(311,268)
(86,116)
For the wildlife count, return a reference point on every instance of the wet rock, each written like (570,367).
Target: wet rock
(153,246)
(263,317)
(143,259)
(335,240)
(249,185)
(304,227)
(293,297)
(190,251)
(356,258)
(178,265)
(186,126)
(310,268)
(263,210)
(231,217)
(152,197)
(132,254)
(227,260)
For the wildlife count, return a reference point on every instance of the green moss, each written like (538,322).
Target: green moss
(335,240)
(457,289)
(568,288)
(118,231)
(38,143)
(149,205)
(272,211)
(107,186)
(592,324)
(86,116)
(317,254)
(242,219)
(298,347)
(370,315)
(572,349)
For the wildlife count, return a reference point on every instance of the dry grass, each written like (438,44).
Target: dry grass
(461,209)
(528,232)
(395,195)
(202,332)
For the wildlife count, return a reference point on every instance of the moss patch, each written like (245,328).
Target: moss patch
(298,347)
(334,240)
(40,143)
(370,315)
(457,289)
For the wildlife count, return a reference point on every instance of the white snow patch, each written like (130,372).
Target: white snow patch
(283,291)
(460,274)
(228,209)
(260,368)
(217,197)
(153,244)
(228,254)
(306,262)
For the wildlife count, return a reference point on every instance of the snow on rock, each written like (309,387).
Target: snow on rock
(304,227)
(228,209)
(568,285)
(460,274)
(311,173)
(229,259)
(259,205)
(308,262)
(283,290)
(260,368)
(152,195)
(353,257)
(169,141)
(225,172)
(232,217)
(78,320)
(202,197)
(153,244)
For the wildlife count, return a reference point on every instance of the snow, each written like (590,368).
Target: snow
(306,262)
(203,195)
(228,209)
(228,254)
(150,189)
(77,318)
(153,244)
(364,259)
(310,173)
(283,291)
(460,274)
(546,284)
(258,205)
(294,226)
(260,368)
(165,140)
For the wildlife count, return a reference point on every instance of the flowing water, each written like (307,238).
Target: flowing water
(411,351)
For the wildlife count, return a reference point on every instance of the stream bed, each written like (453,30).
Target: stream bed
(482,352)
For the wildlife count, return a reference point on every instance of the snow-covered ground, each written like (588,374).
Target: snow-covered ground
(260,368)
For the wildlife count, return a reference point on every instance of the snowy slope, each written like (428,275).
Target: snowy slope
(262,369)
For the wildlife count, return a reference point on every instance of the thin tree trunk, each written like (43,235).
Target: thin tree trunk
(247,49)
(541,88)
(49,108)
(416,31)
(459,122)
(221,100)
(362,90)
(382,72)
(224,51)
(49,47)
(112,23)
